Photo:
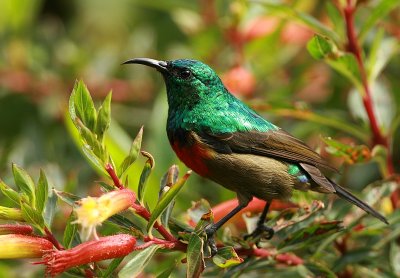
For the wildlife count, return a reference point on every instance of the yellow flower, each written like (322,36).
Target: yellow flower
(93,211)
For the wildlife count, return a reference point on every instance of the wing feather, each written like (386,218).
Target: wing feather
(277,143)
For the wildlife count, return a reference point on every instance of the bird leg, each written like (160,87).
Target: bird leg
(261,229)
(211,229)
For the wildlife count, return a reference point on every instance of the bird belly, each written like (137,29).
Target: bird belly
(194,156)
(252,175)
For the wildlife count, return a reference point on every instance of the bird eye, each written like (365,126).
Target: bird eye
(185,74)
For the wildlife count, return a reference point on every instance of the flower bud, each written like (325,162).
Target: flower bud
(14,246)
(11,214)
(15,229)
(104,248)
(93,211)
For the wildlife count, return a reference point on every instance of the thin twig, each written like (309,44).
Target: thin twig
(110,170)
(354,48)
(50,237)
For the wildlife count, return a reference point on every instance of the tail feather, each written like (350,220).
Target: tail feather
(343,193)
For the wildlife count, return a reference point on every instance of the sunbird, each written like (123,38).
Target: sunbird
(222,139)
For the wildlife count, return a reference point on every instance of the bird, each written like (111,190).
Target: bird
(222,139)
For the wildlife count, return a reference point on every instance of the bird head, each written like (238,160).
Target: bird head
(187,81)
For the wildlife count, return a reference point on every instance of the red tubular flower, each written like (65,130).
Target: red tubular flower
(15,229)
(104,248)
(256,205)
(14,246)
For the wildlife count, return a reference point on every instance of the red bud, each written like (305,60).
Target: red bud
(104,248)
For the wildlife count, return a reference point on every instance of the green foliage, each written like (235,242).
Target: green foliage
(165,200)
(344,63)
(133,154)
(195,256)
(226,257)
(137,262)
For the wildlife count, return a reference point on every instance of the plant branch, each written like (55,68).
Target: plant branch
(378,137)
(285,258)
(110,170)
(50,237)
(145,214)
(353,47)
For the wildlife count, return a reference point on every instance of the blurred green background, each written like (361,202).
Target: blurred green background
(46,45)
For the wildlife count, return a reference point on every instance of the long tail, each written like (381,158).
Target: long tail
(343,193)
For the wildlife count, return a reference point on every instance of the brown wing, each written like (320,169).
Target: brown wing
(278,144)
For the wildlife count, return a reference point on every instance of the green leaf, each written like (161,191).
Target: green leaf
(70,232)
(167,273)
(346,64)
(94,160)
(93,143)
(10,193)
(50,209)
(81,106)
(382,51)
(352,154)
(67,197)
(205,220)
(42,192)
(32,216)
(123,222)
(195,256)
(165,200)
(320,270)
(383,102)
(288,12)
(320,47)
(336,18)
(104,117)
(309,235)
(377,13)
(169,179)
(198,209)
(395,257)
(226,257)
(25,183)
(323,120)
(111,267)
(133,154)
(148,166)
(137,262)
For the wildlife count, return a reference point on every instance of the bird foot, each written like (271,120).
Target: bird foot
(261,232)
(210,231)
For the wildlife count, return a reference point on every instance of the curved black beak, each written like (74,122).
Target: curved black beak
(159,65)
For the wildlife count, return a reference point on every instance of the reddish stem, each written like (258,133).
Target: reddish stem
(50,237)
(89,273)
(285,258)
(377,137)
(144,213)
(110,170)
(353,47)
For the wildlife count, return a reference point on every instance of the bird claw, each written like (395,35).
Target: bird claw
(210,231)
(261,231)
